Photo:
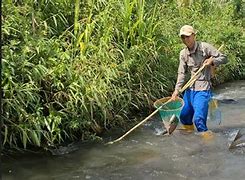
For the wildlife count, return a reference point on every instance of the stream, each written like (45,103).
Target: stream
(145,154)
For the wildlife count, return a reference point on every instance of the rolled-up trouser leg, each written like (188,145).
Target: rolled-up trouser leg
(200,106)
(187,111)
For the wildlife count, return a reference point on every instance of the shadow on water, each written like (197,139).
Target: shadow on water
(147,155)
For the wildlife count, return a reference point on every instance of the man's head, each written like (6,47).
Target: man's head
(187,34)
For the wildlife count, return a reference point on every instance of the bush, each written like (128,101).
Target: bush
(71,71)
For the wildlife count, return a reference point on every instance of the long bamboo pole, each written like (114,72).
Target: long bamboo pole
(148,117)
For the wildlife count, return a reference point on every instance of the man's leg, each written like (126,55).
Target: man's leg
(187,111)
(200,105)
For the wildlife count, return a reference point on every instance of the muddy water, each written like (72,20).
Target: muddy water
(147,155)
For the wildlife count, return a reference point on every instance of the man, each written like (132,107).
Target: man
(196,97)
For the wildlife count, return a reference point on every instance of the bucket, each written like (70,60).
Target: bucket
(169,109)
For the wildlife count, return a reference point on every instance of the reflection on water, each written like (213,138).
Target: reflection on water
(146,155)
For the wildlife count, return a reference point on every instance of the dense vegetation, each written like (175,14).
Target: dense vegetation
(72,69)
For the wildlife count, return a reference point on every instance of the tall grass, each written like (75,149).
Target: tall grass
(73,69)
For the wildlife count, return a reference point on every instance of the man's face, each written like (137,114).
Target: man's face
(189,41)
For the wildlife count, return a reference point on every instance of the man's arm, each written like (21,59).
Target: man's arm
(181,75)
(217,58)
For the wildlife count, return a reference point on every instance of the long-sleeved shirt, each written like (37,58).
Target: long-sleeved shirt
(193,60)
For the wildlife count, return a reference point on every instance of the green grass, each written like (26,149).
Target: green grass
(73,69)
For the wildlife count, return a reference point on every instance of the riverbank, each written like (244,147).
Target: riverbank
(72,70)
(145,154)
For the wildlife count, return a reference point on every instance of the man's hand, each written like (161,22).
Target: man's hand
(208,61)
(175,95)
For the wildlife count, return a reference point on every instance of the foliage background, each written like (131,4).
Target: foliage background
(74,69)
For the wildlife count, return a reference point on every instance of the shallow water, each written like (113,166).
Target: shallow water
(147,155)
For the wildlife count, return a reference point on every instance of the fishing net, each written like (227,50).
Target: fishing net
(169,109)
(214,113)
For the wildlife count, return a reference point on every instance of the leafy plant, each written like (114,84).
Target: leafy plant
(73,69)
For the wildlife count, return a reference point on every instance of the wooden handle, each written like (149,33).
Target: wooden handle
(143,121)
